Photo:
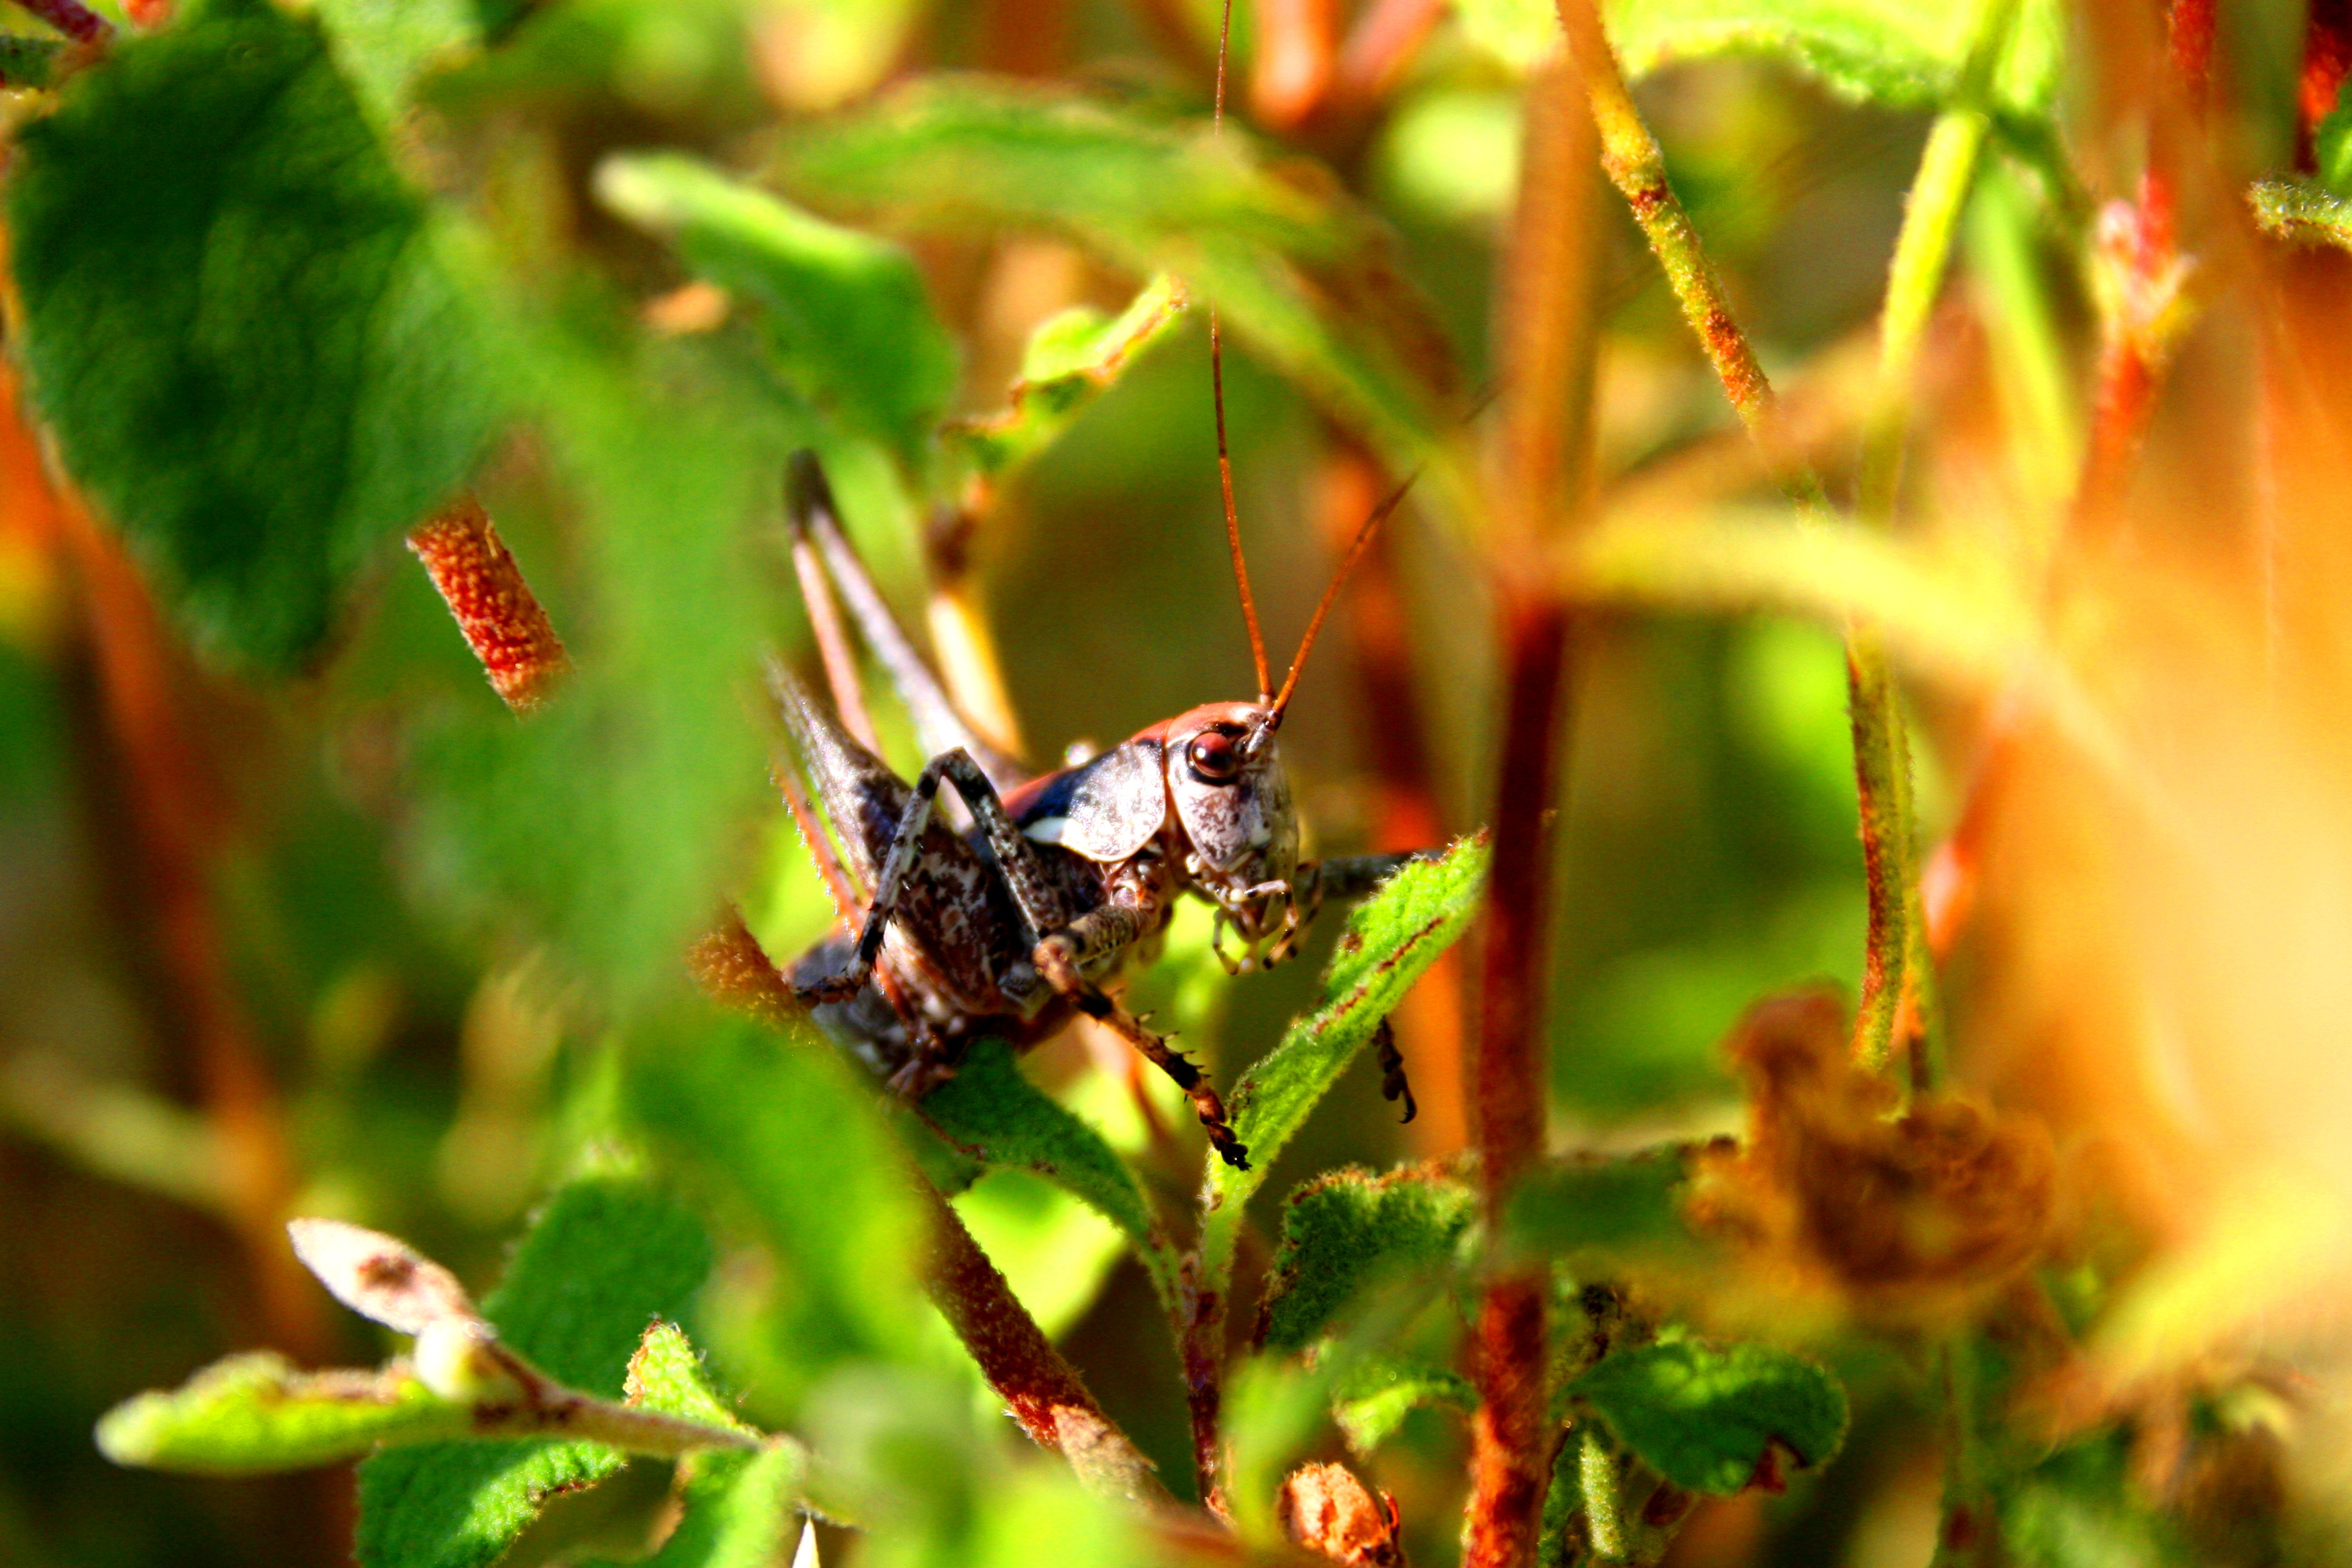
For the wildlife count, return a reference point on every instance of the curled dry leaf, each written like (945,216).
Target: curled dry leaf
(1902,1215)
(1325,1508)
(378,1276)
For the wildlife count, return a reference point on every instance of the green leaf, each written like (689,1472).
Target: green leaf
(385,46)
(787,1133)
(2304,211)
(739,1510)
(606,1254)
(990,1110)
(238,324)
(1348,1227)
(1070,360)
(1600,1213)
(666,1374)
(1391,938)
(1385,1390)
(256,1412)
(1306,278)
(1891,52)
(605,826)
(851,323)
(1703,1417)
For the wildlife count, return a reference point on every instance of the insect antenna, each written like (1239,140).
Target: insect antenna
(1217,397)
(1323,607)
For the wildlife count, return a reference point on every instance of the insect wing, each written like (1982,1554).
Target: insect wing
(1105,809)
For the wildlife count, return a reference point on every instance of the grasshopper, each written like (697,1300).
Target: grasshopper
(1063,879)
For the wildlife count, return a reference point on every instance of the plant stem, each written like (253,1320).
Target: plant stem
(71,17)
(501,619)
(1025,1370)
(1542,487)
(1635,165)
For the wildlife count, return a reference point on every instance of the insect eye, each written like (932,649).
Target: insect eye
(1214,757)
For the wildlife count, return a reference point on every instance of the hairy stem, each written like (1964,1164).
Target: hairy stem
(495,608)
(1542,485)
(1025,1370)
(1631,156)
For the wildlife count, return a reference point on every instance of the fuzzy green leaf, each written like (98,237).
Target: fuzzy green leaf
(738,1511)
(1891,52)
(1070,360)
(256,1413)
(1345,1229)
(606,1254)
(666,1374)
(1703,1417)
(851,323)
(783,1131)
(990,1110)
(1307,278)
(1391,938)
(2304,211)
(238,324)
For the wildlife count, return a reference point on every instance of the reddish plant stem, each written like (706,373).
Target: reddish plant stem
(71,17)
(1543,484)
(1025,1370)
(502,620)
(2327,60)
(181,829)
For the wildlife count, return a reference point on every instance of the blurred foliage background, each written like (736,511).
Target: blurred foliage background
(294,917)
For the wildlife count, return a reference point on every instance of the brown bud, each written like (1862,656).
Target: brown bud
(1326,1509)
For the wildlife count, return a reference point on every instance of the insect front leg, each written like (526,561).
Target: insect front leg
(1062,959)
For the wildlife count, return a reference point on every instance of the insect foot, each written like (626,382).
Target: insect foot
(1056,960)
(1393,1085)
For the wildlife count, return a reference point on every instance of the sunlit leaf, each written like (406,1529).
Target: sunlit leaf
(739,1509)
(1703,1417)
(1887,52)
(237,323)
(1348,1227)
(1071,359)
(257,1413)
(2304,211)
(1391,938)
(668,1374)
(990,1110)
(848,312)
(608,1253)
(1303,277)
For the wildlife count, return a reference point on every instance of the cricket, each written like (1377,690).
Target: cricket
(1063,878)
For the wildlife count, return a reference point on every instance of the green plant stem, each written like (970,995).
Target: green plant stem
(1634,163)
(1596,1474)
